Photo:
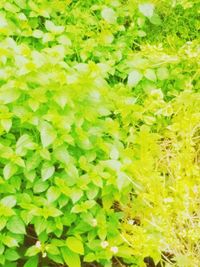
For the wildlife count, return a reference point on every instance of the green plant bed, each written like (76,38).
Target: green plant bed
(99,133)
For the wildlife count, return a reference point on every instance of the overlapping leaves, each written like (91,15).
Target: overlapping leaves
(99,124)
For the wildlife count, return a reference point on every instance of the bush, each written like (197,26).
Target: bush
(99,124)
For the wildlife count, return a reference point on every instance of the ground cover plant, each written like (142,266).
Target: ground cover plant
(99,133)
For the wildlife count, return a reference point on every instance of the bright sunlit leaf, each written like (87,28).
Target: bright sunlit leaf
(147,9)
(133,78)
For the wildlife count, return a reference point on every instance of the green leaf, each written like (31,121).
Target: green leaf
(133,78)
(47,171)
(52,249)
(32,251)
(53,194)
(44,153)
(37,34)
(16,225)
(32,262)
(2,248)
(56,258)
(62,154)
(97,180)
(40,224)
(122,180)
(23,144)
(147,9)
(107,201)
(75,245)
(6,124)
(21,3)
(77,208)
(10,241)
(83,206)
(114,153)
(90,257)
(109,15)
(8,96)
(71,259)
(162,73)
(141,33)
(155,19)
(76,194)
(3,222)
(30,175)
(92,192)
(125,252)
(33,162)
(6,211)
(150,75)
(102,233)
(9,170)
(9,201)
(89,204)
(40,186)
(51,212)
(47,134)
(64,40)
(2,260)
(51,27)
(11,8)
(11,255)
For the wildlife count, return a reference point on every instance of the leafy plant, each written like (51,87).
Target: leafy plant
(99,133)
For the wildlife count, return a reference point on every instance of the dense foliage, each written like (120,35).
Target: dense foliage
(99,133)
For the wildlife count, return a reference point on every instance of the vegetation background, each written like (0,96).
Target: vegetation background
(99,133)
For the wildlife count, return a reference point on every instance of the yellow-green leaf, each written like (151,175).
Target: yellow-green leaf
(71,259)
(47,171)
(9,170)
(47,133)
(75,245)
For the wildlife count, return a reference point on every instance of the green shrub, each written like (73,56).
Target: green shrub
(99,133)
